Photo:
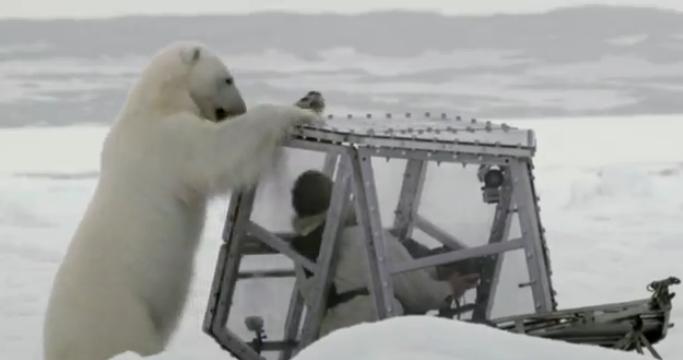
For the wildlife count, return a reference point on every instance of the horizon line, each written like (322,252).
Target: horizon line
(336,13)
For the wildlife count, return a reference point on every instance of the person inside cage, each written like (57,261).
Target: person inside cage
(348,301)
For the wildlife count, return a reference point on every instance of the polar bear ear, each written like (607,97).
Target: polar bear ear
(191,55)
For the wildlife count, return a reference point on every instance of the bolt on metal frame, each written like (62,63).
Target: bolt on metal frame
(350,143)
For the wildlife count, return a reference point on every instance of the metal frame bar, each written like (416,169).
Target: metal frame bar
(367,209)
(293,321)
(583,311)
(490,273)
(467,142)
(218,275)
(438,234)
(539,223)
(453,256)
(527,211)
(227,266)
(409,201)
(225,278)
(482,157)
(334,223)
(330,163)
(281,246)
(260,274)
(280,345)
(232,343)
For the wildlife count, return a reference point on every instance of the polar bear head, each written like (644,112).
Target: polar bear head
(187,77)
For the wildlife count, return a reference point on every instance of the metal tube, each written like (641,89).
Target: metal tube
(490,272)
(409,201)
(367,209)
(293,320)
(225,277)
(458,255)
(330,163)
(525,199)
(334,223)
(438,234)
(281,246)
(259,274)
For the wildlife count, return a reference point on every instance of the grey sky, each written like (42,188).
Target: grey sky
(89,8)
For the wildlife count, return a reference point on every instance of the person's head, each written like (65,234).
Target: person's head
(311,193)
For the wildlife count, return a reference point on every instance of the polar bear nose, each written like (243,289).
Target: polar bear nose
(222,113)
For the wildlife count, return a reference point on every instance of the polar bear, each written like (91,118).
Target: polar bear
(182,136)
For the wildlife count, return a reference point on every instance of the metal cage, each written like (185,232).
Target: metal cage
(349,144)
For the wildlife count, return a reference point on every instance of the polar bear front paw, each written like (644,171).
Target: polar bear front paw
(281,118)
(308,117)
(313,100)
(297,116)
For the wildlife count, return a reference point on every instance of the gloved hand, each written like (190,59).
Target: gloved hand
(462,282)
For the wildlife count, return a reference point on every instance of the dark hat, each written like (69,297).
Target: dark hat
(311,193)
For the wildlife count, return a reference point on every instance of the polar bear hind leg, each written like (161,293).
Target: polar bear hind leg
(103,336)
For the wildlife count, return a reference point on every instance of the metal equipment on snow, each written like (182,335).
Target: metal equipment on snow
(503,156)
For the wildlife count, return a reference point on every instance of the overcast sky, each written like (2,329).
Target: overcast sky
(105,8)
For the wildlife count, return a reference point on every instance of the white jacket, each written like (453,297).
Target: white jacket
(416,290)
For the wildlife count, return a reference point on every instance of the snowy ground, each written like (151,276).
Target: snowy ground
(610,196)
(409,338)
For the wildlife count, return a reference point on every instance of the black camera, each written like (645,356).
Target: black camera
(493,179)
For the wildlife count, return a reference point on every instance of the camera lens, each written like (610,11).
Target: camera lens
(493,178)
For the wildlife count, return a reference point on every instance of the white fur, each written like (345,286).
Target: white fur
(124,280)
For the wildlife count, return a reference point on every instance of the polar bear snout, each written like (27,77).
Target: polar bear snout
(222,113)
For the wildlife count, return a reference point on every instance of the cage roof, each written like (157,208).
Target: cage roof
(426,132)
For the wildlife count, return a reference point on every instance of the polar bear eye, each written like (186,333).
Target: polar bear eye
(229,81)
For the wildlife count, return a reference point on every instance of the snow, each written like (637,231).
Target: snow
(610,195)
(411,338)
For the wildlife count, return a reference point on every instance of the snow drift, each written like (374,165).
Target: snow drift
(429,338)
